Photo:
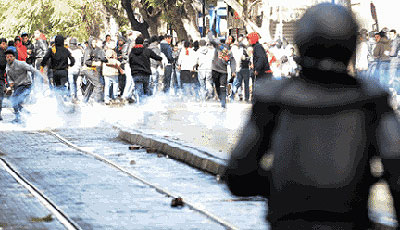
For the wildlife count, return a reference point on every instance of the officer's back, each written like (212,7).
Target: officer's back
(309,141)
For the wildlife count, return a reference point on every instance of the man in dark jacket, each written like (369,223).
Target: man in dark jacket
(3,64)
(310,140)
(58,57)
(166,49)
(139,60)
(260,58)
(29,48)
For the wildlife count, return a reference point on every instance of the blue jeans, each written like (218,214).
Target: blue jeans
(190,90)
(395,73)
(206,83)
(242,76)
(20,94)
(142,88)
(72,78)
(155,75)
(383,74)
(167,78)
(110,81)
(2,87)
(176,80)
(362,74)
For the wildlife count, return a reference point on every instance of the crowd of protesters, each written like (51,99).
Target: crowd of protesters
(378,58)
(130,68)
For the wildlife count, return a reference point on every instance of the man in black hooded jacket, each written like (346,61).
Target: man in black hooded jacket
(58,57)
(3,64)
(139,61)
(310,140)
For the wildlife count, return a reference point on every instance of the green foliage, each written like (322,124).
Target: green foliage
(50,16)
(78,18)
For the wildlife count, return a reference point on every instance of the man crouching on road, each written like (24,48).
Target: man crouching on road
(18,78)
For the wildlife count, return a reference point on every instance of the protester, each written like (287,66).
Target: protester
(309,141)
(11,46)
(260,59)
(139,61)
(30,59)
(381,55)
(59,56)
(395,62)
(222,57)
(205,55)
(92,59)
(186,62)
(74,70)
(107,42)
(3,64)
(19,81)
(166,49)
(40,48)
(362,55)
(239,51)
(21,49)
(156,66)
(111,70)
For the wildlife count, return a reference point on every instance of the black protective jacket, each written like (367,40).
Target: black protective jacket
(59,58)
(307,148)
(260,58)
(139,61)
(3,64)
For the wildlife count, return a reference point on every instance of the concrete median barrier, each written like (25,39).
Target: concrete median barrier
(189,155)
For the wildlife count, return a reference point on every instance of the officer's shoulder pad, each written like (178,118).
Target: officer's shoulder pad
(269,88)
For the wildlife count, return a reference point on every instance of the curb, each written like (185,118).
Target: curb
(188,155)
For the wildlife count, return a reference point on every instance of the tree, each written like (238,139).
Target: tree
(180,15)
(135,24)
(114,8)
(78,18)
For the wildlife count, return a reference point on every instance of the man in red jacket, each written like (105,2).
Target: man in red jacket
(21,49)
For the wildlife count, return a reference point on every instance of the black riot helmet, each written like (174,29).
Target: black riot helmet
(327,33)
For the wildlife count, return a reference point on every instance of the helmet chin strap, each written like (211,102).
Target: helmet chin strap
(326,64)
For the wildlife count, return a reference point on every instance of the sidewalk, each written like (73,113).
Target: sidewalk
(204,126)
(199,134)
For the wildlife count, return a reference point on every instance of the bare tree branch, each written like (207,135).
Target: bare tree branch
(135,24)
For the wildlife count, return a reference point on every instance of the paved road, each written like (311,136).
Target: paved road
(20,210)
(97,196)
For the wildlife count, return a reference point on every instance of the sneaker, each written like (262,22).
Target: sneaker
(75,101)
(131,100)
(16,121)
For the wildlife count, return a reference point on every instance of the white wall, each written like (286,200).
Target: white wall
(388,12)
